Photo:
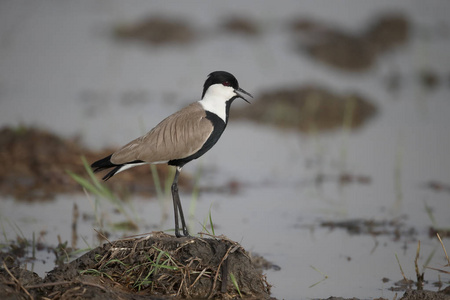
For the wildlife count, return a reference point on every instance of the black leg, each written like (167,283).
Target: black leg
(177,206)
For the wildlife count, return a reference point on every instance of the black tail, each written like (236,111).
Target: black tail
(105,163)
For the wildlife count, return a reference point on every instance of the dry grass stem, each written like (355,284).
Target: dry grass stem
(420,277)
(17,281)
(401,269)
(443,247)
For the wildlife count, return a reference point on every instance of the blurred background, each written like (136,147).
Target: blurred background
(339,164)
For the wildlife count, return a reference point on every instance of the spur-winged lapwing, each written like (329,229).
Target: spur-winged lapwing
(181,137)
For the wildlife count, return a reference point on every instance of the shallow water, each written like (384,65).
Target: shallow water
(60,70)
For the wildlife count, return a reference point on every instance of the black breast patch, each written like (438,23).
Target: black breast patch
(219,126)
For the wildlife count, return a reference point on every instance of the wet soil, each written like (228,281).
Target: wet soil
(154,267)
(156,31)
(351,51)
(161,266)
(35,164)
(162,31)
(158,267)
(309,109)
(241,26)
(395,228)
(410,295)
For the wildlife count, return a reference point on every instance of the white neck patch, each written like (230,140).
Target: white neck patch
(215,99)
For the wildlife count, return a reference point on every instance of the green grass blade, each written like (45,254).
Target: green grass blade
(211,222)
(84,183)
(429,212)
(115,260)
(97,188)
(236,285)
(88,169)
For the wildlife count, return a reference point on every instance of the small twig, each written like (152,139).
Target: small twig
(401,269)
(93,285)
(416,264)
(439,270)
(417,259)
(183,285)
(232,248)
(147,235)
(62,248)
(47,284)
(443,247)
(325,276)
(103,236)
(198,277)
(210,235)
(17,281)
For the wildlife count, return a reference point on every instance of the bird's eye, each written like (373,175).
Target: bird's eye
(226,83)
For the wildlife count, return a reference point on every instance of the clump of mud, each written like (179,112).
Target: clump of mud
(426,295)
(35,164)
(156,31)
(155,267)
(241,26)
(396,228)
(351,51)
(309,109)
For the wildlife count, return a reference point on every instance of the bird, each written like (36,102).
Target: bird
(181,137)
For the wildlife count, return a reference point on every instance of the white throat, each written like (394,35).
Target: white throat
(215,100)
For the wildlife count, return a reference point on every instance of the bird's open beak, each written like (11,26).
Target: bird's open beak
(240,91)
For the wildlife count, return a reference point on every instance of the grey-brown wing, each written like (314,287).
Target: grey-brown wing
(178,136)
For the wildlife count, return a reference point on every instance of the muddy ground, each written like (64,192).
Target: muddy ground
(309,109)
(347,51)
(158,266)
(35,165)
(153,267)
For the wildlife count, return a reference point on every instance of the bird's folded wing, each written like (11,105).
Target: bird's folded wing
(178,136)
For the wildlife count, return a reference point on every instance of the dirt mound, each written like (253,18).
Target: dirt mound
(156,31)
(35,164)
(309,109)
(348,51)
(154,267)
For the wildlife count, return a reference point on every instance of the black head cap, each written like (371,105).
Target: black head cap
(222,77)
(226,79)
